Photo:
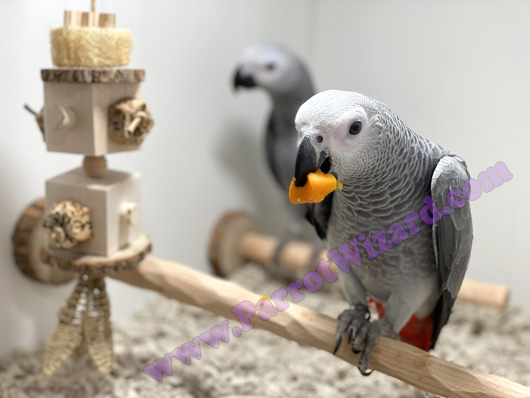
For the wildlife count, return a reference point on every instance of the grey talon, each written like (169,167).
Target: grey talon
(351,321)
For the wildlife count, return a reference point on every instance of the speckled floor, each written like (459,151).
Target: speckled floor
(259,364)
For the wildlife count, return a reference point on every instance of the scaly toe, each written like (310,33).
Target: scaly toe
(350,321)
(372,334)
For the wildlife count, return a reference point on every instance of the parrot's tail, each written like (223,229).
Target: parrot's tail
(418,332)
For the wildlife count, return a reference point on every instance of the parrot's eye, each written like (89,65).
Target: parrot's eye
(319,138)
(270,66)
(355,128)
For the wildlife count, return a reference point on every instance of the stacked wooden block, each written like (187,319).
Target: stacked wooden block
(93,111)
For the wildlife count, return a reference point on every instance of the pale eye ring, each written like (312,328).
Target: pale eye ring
(355,128)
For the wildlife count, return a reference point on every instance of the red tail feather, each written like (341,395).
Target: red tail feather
(417,332)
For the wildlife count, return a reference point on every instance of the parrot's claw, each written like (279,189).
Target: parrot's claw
(356,322)
(279,248)
(351,321)
(370,333)
(318,246)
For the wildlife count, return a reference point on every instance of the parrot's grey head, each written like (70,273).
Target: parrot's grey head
(337,133)
(271,67)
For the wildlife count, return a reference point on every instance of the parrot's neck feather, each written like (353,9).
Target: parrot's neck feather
(389,181)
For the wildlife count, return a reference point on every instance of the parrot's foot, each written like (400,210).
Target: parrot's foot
(318,246)
(279,248)
(351,321)
(370,333)
(356,322)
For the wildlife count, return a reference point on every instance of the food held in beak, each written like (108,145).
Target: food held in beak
(317,187)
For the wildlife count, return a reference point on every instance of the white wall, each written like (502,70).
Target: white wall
(456,72)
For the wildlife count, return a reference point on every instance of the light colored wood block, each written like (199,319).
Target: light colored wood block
(91,19)
(111,200)
(76,116)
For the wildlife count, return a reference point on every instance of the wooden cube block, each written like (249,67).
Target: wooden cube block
(76,108)
(88,105)
(114,203)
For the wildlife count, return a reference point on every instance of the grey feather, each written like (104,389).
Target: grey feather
(452,237)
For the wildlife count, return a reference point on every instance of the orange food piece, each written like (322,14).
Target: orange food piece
(317,187)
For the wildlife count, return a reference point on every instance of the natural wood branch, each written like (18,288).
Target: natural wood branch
(310,328)
(235,242)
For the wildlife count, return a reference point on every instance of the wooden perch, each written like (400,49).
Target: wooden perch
(310,328)
(305,326)
(235,242)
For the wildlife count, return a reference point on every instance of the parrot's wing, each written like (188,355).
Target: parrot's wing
(452,236)
(318,215)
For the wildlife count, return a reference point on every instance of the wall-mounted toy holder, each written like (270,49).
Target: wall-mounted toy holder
(236,241)
(88,227)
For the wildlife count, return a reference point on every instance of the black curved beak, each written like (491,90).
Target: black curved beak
(308,161)
(242,79)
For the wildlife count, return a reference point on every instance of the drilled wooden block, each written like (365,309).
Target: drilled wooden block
(114,203)
(76,116)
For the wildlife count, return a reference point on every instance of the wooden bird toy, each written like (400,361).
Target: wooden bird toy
(91,215)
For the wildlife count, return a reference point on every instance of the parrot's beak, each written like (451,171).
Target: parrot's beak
(308,160)
(242,79)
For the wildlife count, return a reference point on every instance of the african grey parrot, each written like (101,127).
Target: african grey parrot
(285,78)
(388,173)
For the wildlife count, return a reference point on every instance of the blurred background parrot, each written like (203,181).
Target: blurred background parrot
(286,80)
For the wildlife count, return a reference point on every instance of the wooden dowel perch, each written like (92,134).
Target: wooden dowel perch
(310,328)
(235,242)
